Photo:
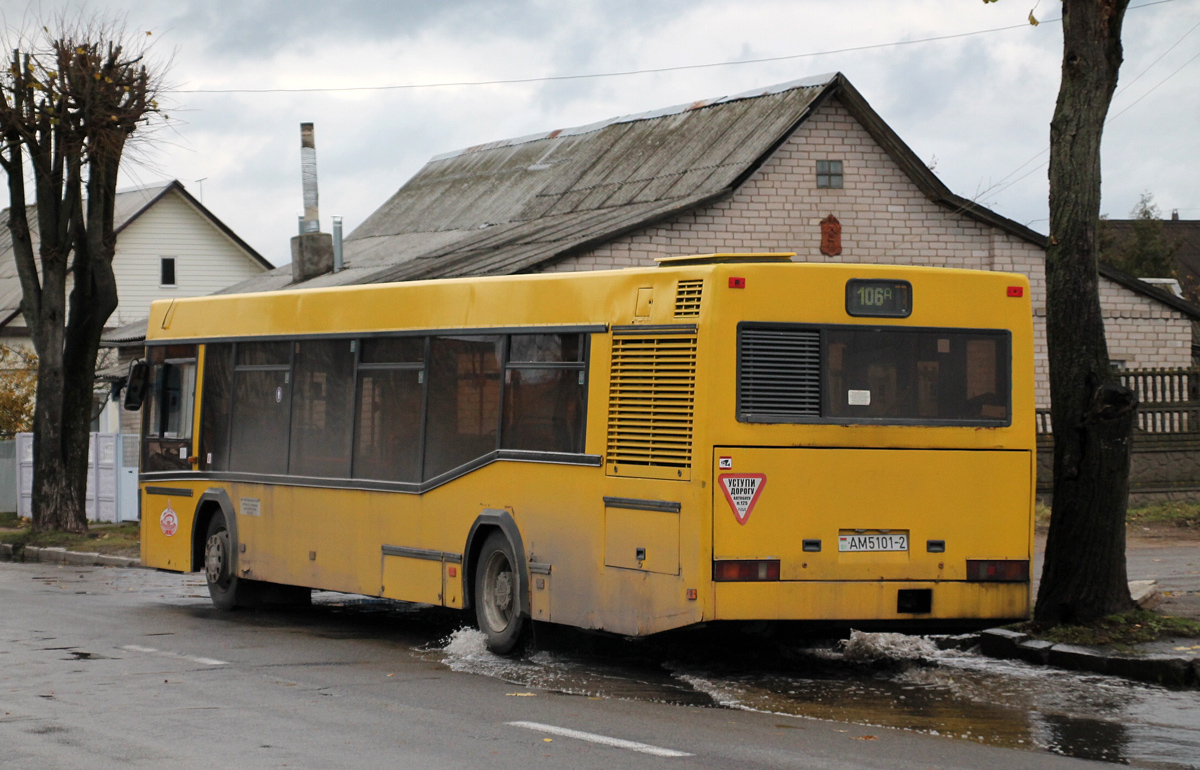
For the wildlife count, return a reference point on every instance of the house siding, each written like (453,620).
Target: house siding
(206,260)
(885,219)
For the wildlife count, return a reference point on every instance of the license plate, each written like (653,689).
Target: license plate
(888,542)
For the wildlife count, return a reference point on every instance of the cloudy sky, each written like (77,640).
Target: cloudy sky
(975,105)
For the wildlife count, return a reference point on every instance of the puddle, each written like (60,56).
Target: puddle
(465,651)
(884,680)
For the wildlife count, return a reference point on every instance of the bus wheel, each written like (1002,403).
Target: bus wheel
(496,597)
(218,565)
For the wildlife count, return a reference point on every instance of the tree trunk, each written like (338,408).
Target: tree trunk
(1084,576)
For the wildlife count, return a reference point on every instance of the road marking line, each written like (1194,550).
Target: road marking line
(176,655)
(619,743)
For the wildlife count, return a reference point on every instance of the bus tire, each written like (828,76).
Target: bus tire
(224,587)
(496,602)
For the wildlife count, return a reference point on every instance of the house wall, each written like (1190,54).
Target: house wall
(885,219)
(206,260)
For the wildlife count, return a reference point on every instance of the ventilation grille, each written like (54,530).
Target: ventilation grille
(651,395)
(687,297)
(779,375)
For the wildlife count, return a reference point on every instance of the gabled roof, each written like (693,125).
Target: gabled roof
(514,205)
(127,207)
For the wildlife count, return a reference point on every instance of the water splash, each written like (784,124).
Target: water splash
(870,648)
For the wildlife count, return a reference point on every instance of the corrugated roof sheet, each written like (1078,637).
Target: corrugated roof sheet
(508,206)
(134,331)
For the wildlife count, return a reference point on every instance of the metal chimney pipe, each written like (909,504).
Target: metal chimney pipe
(337,244)
(308,176)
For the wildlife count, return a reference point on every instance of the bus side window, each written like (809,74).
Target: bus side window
(544,393)
(168,425)
(215,407)
(262,400)
(389,409)
(322,409)
(464,401)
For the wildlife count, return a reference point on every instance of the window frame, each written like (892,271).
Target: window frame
(394,366)
(288,380)
(355,347)
(825,419)
(507,365)
(162,272)
(155,434)
(834,180)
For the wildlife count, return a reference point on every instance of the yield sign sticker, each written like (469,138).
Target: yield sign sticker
(742,491)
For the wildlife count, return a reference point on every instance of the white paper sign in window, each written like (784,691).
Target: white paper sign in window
(858,397)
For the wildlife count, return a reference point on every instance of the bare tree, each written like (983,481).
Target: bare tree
(69,102)
(1084,576)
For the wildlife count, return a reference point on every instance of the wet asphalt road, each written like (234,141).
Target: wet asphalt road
(105,668)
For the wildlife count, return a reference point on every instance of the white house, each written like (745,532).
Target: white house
(168,245)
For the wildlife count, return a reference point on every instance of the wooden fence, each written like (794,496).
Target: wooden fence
(1168,400)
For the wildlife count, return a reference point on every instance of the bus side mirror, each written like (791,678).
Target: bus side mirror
(135,385)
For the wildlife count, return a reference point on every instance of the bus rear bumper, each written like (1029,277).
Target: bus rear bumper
(884,600)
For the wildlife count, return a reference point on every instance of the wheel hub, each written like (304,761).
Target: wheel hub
(216,567)
(503,591)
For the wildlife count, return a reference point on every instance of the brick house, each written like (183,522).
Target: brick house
(753,172)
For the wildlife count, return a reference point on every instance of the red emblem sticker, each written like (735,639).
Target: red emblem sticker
(742,491)
(168,522)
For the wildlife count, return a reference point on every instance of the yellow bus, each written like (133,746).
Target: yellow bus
(719,438)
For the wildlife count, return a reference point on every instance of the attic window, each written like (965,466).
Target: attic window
(829,174)
(168,271)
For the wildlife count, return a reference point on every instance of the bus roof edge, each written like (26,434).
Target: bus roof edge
(716,259)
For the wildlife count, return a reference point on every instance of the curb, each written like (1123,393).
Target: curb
(30,554)
(1159,669)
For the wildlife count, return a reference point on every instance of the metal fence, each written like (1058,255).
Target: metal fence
(8,476)
(112,493)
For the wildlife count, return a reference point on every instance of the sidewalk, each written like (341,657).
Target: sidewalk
(63,556)
(1167,556)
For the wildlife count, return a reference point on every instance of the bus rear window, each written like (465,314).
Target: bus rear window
(925,375)
(900,375)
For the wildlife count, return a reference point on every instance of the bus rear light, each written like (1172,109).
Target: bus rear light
(997,570)
(745,570)
(737,283)
(1016,291)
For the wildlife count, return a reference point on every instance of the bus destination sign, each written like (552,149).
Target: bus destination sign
(875,298)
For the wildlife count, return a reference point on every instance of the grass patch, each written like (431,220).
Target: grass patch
(1120,631)
(1180,514)
(118,539)
(1185,515)
(9,519)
